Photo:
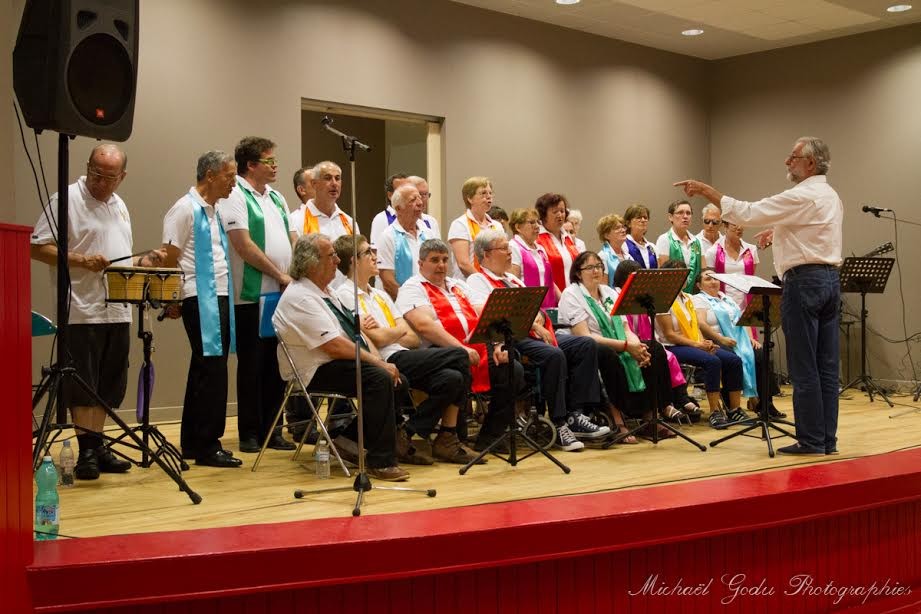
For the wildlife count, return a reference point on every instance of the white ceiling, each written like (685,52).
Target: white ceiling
(731,27)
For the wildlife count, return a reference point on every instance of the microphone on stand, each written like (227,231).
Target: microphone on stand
(876,210)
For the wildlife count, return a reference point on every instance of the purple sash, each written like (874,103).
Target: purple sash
(530,274)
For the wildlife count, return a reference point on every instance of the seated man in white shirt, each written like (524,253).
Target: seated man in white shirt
(439,310)
(398,246)
(568,364)
(442,373)
(318,331)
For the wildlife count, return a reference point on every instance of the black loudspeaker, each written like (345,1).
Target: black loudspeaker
(75,66)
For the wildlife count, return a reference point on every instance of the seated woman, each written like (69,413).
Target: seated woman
(629,368)
(717,314)
(640,325)
(680,331)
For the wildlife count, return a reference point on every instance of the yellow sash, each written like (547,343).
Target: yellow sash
(380,303)
(688,326)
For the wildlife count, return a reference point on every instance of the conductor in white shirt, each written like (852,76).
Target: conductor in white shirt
(805,223)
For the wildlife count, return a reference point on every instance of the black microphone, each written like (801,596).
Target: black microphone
(875,210)
(326,121)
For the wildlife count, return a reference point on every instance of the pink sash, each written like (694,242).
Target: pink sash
(640,325)
(530,274)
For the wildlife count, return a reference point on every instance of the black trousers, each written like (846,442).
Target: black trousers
(614,376)
(502,395)
(260,388)
(443,374)
(204,410)
(378,405)
(568,373)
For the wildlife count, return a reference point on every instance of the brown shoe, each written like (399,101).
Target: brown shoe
(448,448)
(388,474)
(408,453)
(347,448)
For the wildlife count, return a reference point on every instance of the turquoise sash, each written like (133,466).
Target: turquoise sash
(611,261)
(209,320)
(727,313)
(403,255)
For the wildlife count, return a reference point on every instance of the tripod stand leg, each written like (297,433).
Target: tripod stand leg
(48,386)
(672,429)
(539,448)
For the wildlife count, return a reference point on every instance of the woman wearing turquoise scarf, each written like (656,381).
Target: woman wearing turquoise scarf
(679,244)
(612,232)
(716,315)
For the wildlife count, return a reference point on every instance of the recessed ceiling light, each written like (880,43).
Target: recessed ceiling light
(568,1)
(693,32)
(899,8)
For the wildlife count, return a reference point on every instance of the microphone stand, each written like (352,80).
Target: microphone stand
(362,482)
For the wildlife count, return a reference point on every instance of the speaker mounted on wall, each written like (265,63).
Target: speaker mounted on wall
(75,66)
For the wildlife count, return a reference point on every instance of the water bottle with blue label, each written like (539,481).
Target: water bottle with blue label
(47,503)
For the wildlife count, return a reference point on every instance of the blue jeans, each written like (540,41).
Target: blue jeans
(809,308)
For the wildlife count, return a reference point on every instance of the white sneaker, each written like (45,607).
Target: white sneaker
(565,440)
(583,428)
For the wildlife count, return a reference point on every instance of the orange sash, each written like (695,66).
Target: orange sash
(312,223)
(556,259)
(451,323)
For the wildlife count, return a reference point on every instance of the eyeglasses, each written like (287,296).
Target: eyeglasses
(101,177)
(792,157)
(712,222)
(501,249)
(425,194)
(269,161)
(365,252)
(593,267)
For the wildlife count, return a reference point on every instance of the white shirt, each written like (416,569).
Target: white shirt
(94,227)
(329,225)
(379,224)
(807,221)
(663,246)
(370,303)
(517,244)
(733,265)
(178,230)
(414,296)
(481,288)
(460,229)
(386,245)
(574,308)
(701,304)
(706,244)
(580,244)
(235,216)
(564,251)
(305,322)
(644,251)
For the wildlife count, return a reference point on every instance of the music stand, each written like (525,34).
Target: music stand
(510,313)
(763,313)
(651,291)
(865,275)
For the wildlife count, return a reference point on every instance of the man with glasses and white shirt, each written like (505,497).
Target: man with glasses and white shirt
(255,217)
(806,222)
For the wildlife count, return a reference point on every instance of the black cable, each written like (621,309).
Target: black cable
(41,166)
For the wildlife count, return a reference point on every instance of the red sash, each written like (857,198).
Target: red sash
(451,323)
(497,283)
(556,260)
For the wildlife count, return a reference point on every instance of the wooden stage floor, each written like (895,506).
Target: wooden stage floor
(146,500)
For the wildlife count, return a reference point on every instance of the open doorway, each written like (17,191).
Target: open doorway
(400,143)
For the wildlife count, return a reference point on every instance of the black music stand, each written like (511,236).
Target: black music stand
(764,313)
(510,313)
(651,291)
(865,275)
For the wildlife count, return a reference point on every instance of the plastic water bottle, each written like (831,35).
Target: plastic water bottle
(322,453)
(47,504)
(67,465)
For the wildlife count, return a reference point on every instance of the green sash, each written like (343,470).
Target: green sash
(252,277)
(347,323)
(613,328)
(675,252)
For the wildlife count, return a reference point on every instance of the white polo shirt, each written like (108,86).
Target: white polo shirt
(386,245)
(235,216)
(370,304)
(305,322)
(413,295)
(460,229)
(381,221)
(94,227)
(481,287)
(329,225)
(178,230)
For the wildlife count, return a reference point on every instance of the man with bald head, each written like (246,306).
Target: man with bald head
(398,246)
(99,231)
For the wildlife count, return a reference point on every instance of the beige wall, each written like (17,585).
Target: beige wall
(535,107)
(861,95)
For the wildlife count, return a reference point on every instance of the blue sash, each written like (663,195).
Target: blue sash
(727,313)
(403,255)
(209,319)
(390,217)
(634,250)
(611,260)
